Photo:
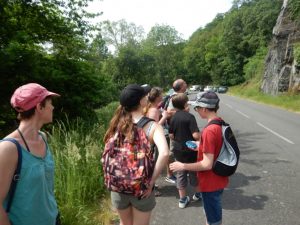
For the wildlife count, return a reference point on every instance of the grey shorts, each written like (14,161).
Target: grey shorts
(183,176)
(122,201)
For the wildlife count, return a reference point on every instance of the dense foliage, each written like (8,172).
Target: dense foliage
(46,42)
(51,42)
(219,52)
(294,9)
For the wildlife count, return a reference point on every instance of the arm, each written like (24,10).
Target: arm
(8,163)
(205,164)
(164,117)
(171,110)
(196,136)
(163,150)
(155,114)
(163,156)
(194,129)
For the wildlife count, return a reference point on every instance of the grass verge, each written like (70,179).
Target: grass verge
(251,90)
(79,188)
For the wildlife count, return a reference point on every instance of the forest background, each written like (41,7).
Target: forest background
(52,42)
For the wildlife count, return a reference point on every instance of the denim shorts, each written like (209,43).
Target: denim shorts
(182,179)
(212,204)
(122,201)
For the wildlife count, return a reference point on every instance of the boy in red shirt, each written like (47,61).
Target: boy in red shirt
(211,185)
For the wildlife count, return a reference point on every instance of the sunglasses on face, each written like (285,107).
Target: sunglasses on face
(196,108)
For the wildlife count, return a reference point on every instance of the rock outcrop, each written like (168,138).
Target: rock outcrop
(282,73)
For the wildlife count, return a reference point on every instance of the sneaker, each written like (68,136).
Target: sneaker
(183,202)
(171,179)
(197,196)
(156,191)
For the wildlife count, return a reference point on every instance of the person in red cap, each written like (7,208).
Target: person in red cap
(26,163)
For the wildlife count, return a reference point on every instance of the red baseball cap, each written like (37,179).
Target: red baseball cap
(28,96)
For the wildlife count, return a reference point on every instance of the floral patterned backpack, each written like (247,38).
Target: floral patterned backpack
(128,167)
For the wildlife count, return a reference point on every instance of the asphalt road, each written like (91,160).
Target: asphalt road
(266,187)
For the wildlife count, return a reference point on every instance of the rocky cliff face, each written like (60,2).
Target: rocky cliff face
(281,71)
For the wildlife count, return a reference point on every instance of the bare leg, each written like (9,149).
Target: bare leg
(141,218)
(182,193)
(126,216)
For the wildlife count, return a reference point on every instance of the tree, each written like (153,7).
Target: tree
(162,35)
(47,42)
(165,44)
(219,52)
(120,33)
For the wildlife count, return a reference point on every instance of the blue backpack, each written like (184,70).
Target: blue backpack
(16,176)
(227,161)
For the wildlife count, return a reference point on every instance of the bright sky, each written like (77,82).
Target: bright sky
(186,16)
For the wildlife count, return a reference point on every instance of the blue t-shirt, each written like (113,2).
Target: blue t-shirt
(34,202)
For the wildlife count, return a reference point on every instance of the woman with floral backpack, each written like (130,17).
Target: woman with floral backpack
(128,162)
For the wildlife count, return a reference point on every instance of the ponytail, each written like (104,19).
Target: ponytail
(122,122)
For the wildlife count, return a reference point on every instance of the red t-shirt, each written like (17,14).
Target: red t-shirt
(211,142)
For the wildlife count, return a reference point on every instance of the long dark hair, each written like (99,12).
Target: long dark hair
(121,122)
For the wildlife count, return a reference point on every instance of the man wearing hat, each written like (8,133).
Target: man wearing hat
(210,184)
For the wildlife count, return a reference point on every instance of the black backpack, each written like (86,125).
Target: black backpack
(165,102)
(228,159)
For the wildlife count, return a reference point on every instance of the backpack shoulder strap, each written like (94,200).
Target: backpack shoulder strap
(167,101)
(16,176)
(217,122)
(143,121)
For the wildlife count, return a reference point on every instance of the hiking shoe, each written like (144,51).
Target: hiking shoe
(171,179)
(183,202)
(197,196)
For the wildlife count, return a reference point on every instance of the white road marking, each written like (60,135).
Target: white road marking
(229,106)
(243,114)
(275,133)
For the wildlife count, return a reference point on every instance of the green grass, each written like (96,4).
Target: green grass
(254,71)
(77,148)
(250,90)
